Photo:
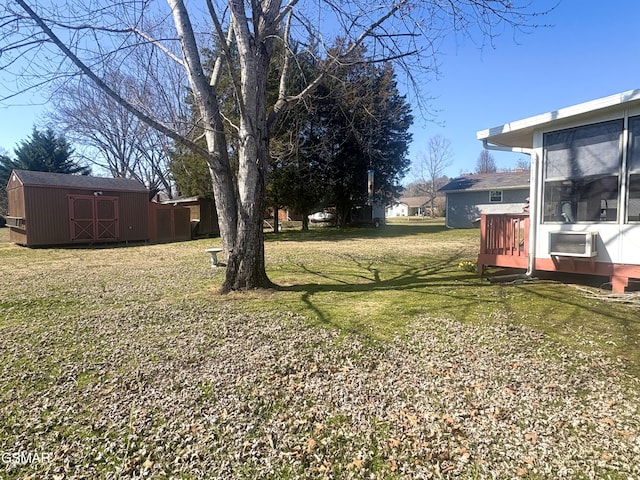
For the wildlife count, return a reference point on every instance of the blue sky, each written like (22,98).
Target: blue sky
(590,50)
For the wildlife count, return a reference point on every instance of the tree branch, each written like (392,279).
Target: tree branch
(280,103)
(217,69)
(106,88)
(158,45)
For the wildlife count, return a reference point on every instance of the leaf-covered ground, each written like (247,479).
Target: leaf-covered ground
(191,391)
(123,363)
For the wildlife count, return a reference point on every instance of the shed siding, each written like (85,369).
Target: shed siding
(15,196)
(168,223)
(103,210)
(208,218)
(47,216)
(46,213)
(134,216)
(465,208)
(202,210)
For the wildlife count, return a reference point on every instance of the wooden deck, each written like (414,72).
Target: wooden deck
(504,242)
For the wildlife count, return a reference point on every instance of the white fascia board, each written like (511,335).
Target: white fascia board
(520,126)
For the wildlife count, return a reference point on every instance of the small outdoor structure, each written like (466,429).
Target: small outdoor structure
(584,213)
(470,196)
(58,209)
(202,214)
(168,223)
(213,252)
(53,209)
(368,215)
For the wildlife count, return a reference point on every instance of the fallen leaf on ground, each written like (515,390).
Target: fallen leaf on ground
(311,444)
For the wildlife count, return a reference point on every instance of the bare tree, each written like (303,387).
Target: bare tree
(486,163)
(110,136)
(523,164)
(91,36)
(432,165)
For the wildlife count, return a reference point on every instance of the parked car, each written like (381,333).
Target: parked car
(323,216)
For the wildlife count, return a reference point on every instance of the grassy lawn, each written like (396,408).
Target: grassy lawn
(104,349)
(375,282)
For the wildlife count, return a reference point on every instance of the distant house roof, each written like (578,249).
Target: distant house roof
(488,181)
(47,179)
(414,202)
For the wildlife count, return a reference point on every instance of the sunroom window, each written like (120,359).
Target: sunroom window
(633,162)
(581,172)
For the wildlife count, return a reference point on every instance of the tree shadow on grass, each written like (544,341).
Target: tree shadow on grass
(441,288)
(373,276)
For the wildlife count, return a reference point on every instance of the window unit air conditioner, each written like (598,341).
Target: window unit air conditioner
(573,244)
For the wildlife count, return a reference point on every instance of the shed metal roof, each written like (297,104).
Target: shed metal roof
(520,133)
(488,181)
(48,179)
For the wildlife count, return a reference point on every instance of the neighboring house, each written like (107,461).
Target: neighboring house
(469,196)
(409,207)
(585,192)
(54,209)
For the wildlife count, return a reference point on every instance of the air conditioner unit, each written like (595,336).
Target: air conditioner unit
(573,244)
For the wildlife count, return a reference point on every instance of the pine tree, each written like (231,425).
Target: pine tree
(47,152)
(42,152)
(365,122)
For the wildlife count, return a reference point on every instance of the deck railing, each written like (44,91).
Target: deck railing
(503,240)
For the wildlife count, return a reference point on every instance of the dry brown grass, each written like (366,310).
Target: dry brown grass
(377,358)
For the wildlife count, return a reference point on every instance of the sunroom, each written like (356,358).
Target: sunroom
(584,214)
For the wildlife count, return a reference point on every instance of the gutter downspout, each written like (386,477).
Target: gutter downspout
(533,198)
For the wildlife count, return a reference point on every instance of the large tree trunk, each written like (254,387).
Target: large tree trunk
(207,103)
(246,264)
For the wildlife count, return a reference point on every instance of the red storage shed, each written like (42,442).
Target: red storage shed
(54,209)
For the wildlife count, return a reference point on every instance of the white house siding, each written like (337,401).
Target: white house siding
(618,240)
(398,210)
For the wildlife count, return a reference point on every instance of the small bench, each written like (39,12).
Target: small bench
(214,256)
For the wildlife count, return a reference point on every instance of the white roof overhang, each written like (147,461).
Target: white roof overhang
(520,133)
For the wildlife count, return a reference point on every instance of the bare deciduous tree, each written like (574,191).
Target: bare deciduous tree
(432,165)
(110,136)
(486,163)
(91,36)
(523,164)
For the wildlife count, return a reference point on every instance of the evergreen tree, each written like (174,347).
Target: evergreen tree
(190,173)
(6,166)
(321,149)
(47,152)
(42,152)
(365,124)
(296,175)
